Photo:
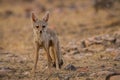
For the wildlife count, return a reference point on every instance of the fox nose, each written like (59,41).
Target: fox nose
(40,31)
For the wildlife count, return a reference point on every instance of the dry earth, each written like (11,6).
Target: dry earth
(90,41)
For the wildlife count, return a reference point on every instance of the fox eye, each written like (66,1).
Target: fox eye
(43,26)
(37,26)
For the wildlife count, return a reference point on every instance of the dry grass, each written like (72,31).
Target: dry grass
(70,24)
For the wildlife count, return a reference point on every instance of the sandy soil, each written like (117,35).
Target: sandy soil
(89,40)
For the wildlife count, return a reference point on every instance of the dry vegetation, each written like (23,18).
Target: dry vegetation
(75,22)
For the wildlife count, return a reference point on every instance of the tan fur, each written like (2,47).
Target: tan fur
(47,39)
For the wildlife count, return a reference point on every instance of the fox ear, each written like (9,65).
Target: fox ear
(46,16)
(34,17)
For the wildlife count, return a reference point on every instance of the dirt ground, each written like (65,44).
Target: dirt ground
(89,40)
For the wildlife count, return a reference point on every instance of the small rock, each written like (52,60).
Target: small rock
(88,54)
(110,49)
(83,45)
(109,69)
(11,55)
(117,57)
(102,66)
(115,64)
(102,73)
(115,77)
(93,75)
(70,67)
(111,39)
(74,52)
(78,56)
(66,77)
(105,58)
(26,73)
(117,42)
(87,43)
(21,59)
(81,74)
(72,45)
(6,70)
(83,69)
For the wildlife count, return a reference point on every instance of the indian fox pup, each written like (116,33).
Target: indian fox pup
(47,39)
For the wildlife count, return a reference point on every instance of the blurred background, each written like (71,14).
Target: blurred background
(88,31)
(71,19)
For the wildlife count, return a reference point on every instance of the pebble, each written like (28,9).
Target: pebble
(115,77)
(81,74)
(70,67)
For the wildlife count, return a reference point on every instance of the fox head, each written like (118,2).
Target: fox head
(40,25)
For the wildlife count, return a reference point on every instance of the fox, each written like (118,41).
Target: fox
(46,39)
